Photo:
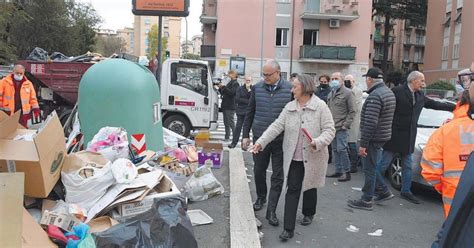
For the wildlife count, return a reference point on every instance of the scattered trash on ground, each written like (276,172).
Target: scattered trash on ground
(356,189)
(352,228)
(377,233)
(199,217)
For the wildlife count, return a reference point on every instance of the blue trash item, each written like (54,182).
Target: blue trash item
(120,93)
(85,241)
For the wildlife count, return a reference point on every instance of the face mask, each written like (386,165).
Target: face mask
(324,86)
(18,77)
(348,84)
(334,84)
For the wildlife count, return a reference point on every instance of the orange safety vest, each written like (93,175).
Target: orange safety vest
(7,96)
(446,153)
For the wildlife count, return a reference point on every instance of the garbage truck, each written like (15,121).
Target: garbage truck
(189,100)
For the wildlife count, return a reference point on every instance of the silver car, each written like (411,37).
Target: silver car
(429,121)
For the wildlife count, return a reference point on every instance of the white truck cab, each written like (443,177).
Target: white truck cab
(188,99)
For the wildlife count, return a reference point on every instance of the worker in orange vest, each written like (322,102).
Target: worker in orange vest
(448,149)
(18,94)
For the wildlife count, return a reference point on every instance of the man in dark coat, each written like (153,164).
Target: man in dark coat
(322,91)
(242,98)
(228,103)
(410,101)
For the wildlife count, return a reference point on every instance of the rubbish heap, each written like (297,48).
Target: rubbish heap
(106,193)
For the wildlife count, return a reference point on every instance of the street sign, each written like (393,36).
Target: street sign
(161,7)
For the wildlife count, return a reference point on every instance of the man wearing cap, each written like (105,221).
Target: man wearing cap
(410,101)
(376,129)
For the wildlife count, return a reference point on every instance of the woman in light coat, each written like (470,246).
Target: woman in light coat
(304,162)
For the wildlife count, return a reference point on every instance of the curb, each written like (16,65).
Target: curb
(243,226)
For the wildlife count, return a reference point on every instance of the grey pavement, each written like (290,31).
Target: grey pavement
(404,224)
(216,234)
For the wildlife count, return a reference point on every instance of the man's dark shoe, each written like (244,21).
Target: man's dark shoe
(232,145)
(307,220)
(286,235)
(345,177)
(354,169)
(335,175)
(410,197)
(258,205)
(272,219)
(360,204)
(383,197)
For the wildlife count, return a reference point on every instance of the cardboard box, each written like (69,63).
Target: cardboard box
(63,221)
(11,202)
(33,235)
(40,159)
(166,188)
(210,151)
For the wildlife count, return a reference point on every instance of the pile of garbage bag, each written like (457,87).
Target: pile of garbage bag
(104,193)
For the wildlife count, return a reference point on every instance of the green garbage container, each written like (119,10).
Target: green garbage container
(120,93)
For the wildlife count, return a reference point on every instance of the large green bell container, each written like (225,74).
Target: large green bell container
(120,93)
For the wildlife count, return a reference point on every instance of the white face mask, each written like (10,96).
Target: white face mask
(18,77)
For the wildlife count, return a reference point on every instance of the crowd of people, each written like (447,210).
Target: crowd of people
(297,125)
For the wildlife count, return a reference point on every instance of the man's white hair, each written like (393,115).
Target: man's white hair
(274,64)
(414,75)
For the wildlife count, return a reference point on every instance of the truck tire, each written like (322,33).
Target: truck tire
(178,124)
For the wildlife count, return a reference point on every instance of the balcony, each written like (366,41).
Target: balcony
(380,39)
(205,19)
(344,10)
(420,43)
(379,58)
(209,12)
(328,54)
(208,51)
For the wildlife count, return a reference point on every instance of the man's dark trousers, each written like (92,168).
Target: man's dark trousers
(274,150)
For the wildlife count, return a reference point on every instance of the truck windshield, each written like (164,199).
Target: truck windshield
(190,76)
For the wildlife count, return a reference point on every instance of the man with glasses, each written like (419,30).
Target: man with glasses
(18,94)
(267,100)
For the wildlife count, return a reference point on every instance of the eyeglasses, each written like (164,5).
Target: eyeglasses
(247,80)
(268,75)
(334,78)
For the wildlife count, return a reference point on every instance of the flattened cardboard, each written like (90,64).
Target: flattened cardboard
(8,124)
(33,235)
(40,159)
(11,205)
(101,224)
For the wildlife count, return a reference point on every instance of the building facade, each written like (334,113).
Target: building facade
(449,38)
(306,36)
(171,30)
(406,45)
(128,36)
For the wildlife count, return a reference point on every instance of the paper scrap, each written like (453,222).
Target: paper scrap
(356,189)
(377,233)
(352,228)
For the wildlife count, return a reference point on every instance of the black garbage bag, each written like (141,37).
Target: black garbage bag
(166,224)
(38,54)
(57,56)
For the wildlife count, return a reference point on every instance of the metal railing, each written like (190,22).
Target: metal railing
(327,52)
(208,51)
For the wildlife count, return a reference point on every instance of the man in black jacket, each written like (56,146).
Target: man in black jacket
(228,103)
(322,91)
(410,101)
(267,100)
(376,129)
(242,98)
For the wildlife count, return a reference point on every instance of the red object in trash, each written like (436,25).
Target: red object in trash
(56,234)
(307,135)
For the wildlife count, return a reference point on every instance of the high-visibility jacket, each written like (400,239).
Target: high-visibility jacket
(446,153)
(27,95)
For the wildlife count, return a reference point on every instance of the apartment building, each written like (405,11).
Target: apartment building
(449,38)
(306,36)
(406,45)
(171,30)
(128,36)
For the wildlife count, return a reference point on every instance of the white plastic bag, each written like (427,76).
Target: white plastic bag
(202,185)
(112,142)
(87,185)
(124,170)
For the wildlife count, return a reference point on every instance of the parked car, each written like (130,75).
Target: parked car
(429,121)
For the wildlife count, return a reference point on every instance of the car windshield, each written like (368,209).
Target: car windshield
(433,118)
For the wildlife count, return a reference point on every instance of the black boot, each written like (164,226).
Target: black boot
(335,175)
(307,220)
(345,177)
(258,205)
(272,219)
(286,235)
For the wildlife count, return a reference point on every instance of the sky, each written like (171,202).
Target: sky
(117,14)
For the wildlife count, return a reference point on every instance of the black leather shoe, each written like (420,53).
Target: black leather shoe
(354,169)
(337,174)
(232,145)
(272,219)
(410,197)
(345,177)
(286,235)
(258,205)
(307,220)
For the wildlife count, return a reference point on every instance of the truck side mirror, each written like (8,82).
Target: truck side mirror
(206,100)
